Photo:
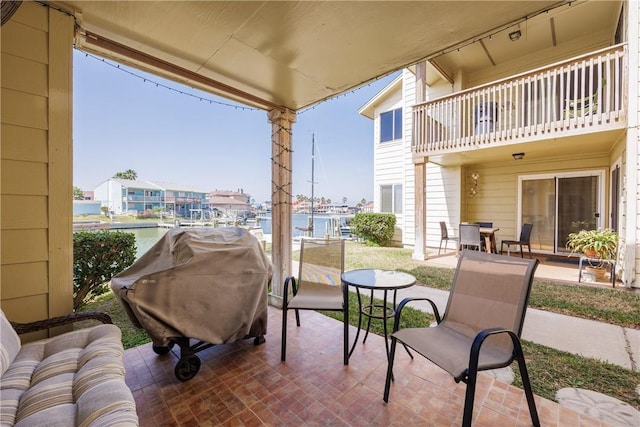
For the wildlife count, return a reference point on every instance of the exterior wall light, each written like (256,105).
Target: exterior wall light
(518,156)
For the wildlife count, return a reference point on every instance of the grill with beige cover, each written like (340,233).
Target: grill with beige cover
(207,285)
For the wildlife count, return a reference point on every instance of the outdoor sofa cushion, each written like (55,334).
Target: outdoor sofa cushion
(73,379)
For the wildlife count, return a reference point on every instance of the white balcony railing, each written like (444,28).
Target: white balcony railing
(150,199)
(577,96)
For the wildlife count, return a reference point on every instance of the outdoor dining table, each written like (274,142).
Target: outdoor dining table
(489,235)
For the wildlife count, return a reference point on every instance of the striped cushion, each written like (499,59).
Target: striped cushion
(72,379)
(10,345)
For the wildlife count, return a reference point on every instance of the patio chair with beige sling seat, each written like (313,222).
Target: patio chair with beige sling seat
(481,326)
(524,240)
(318,286)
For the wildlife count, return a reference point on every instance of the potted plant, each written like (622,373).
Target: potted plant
(594,243)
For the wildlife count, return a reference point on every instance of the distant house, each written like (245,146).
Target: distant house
(368,207)
(123,196)
(232,203)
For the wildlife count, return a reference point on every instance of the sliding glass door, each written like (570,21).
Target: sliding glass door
(560,204)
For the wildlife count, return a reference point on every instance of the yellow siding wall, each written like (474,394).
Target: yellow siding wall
(36,164)
(498,188)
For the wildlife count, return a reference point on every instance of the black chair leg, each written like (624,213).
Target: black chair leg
(467,415)
(387,383)
(345,321)
(526,384)
(283,347)
(521,252)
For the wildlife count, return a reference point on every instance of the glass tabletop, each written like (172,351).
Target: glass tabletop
(378,279)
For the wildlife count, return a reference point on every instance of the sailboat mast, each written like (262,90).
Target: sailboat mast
(313,149)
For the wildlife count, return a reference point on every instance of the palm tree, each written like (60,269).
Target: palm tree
(129,174)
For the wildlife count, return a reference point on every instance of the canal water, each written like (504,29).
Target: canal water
(322,225)
(146,237)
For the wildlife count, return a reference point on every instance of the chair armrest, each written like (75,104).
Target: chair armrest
(24,328)
(396,320)
(285,288)
(474,354)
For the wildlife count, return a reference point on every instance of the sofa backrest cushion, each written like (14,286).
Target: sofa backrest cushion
(9,343)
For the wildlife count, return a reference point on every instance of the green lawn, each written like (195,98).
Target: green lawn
(550,369)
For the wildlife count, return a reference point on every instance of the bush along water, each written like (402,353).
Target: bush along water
(375,228)
(97,257)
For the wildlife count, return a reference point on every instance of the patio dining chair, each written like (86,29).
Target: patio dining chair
(524,240)
(445,237)
(470,237)
(485,224)
(318,286)
(481,326)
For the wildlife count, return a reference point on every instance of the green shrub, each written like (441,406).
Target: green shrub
(97,257)
(375,228)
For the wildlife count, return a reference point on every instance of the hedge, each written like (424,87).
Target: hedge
(375,228)
(97,257)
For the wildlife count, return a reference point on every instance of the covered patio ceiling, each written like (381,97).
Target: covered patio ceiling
(284,54)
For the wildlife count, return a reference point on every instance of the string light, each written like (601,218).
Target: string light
(359,87)
(224,104)
(172,89)
(275,161)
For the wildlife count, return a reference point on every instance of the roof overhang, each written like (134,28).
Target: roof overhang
(284,54)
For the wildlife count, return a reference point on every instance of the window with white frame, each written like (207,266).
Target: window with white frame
(391,198)
(391,125)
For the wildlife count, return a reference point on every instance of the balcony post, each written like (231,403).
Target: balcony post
(420,174)
(420,170)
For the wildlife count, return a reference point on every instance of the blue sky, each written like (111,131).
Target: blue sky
(123,122)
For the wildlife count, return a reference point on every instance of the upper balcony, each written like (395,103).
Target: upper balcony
(582,95)
(147,199)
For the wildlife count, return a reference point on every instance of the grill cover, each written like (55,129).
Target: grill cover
(204,283)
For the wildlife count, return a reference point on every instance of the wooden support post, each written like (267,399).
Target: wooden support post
(281,187)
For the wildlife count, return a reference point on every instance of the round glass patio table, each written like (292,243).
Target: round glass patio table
(372,280)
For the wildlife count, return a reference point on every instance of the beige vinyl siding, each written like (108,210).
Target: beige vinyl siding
(388,170)
(36,164)
(443,201)
(498,187)
(13,147)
